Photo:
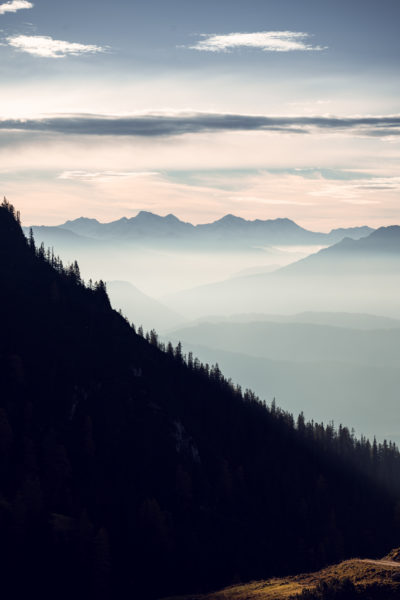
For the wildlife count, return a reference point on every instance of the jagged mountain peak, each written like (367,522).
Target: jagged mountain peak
(80,220)
(145,215)
(386,232)
(230,218)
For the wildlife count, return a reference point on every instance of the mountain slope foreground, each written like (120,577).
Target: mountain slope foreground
(129,470)
(354,579)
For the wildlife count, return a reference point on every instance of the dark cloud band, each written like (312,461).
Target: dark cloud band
(162,126)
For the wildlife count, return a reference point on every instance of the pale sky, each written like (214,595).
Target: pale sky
(263,109)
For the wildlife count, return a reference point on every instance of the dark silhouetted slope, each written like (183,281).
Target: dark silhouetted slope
(126,472)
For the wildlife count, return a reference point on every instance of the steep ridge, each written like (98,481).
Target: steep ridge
(366,254)
(351,276)
(127,471)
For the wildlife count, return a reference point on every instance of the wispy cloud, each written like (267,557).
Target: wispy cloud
(159,125)
(105,175)
(47,47)
(358,190)
(267,41)
(272,201)
(14,6)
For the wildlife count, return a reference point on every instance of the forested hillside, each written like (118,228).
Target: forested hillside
(129,470)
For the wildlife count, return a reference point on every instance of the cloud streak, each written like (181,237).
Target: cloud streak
(358,190)
(47,47)
(14,6)
(105,175)
(166,125)
(267,41)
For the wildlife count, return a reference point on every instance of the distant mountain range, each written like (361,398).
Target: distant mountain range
(363,322)
(351,276)
(229,231)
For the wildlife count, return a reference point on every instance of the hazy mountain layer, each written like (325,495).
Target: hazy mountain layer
(139,307)
(299,342)
(157,270)
(336,319)
(379,251)
(352,276)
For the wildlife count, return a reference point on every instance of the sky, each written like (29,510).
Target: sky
(259,108)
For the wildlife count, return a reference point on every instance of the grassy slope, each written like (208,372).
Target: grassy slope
(363,573)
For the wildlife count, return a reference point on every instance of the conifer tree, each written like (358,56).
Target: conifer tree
(31,240)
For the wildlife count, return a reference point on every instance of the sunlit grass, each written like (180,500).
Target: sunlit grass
(361,573)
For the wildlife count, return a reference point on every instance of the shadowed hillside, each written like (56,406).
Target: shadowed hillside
(130,470)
